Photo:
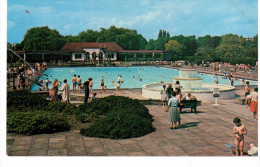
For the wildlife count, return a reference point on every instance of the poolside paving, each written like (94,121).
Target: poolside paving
(202,134)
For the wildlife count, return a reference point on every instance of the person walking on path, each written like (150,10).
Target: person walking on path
(173,115)
(247,90)
(66,91)
(74,82)
(86,86)
(253,97)
(164,97)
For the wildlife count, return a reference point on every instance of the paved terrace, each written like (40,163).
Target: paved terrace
(202,134)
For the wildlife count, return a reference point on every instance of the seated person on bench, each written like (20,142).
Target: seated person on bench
(191,97)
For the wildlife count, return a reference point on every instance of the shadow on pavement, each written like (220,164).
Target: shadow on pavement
(189,112)
(189,125)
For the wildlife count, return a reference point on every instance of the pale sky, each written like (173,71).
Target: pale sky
(187,17)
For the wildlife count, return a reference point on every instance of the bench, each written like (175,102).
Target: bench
(192,104)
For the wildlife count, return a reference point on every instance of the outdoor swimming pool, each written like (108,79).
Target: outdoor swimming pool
(129,75)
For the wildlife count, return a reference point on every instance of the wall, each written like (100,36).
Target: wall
(82,57)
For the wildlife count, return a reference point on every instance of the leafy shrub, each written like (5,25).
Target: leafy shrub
(22,100)
(123,118)
(36,122)
(30,113)
(61,107)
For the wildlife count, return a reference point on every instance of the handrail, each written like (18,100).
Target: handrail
(25,61)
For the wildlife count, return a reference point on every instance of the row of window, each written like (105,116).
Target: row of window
(79,56)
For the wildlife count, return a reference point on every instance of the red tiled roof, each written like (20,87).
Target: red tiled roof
(142,51)
(79,46)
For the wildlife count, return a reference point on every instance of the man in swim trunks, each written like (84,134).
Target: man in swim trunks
(240,130)
(74,79)
(79,83)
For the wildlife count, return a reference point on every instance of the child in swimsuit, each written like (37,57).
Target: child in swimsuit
(240,130)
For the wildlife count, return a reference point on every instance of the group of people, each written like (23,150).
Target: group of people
(66,90)
(252,100)
(172,102)
(77,84)
(87,86)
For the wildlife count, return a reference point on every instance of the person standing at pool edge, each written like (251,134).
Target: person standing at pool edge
(247,89)
(86,86)
(66,91)
(90,84)
(102,86)
(79,83)
(74,79)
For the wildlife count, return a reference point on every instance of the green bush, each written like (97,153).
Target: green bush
(36,122)
(29,113)
(61,107)
(22,100)
(122,118)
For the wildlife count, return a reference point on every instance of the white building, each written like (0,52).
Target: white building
(91,51)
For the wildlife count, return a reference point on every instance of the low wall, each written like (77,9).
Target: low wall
(206,96)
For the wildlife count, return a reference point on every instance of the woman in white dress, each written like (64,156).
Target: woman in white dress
(66,91)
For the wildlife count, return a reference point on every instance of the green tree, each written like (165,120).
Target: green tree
(190,45)
(178,38)
(251,47)
(150,45)
(174,46)
(42,38)
(159,44)
(231,46)
(9,46)
(160,35)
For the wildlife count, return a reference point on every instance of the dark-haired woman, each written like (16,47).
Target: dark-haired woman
(173,115)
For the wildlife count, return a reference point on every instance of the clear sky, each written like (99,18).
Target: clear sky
(187,17)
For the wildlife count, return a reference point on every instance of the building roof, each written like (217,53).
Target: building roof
(79,46)
(143,51)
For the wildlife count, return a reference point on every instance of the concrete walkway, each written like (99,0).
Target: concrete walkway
(202,134)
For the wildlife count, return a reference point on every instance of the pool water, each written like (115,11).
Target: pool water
(129,76)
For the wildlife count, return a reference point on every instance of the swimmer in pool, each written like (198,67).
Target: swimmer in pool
(239,130)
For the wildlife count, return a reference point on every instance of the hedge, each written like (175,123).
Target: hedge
(122,118)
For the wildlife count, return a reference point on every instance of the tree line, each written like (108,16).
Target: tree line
(227,48)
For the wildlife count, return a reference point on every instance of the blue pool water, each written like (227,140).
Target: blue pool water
(128,74)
